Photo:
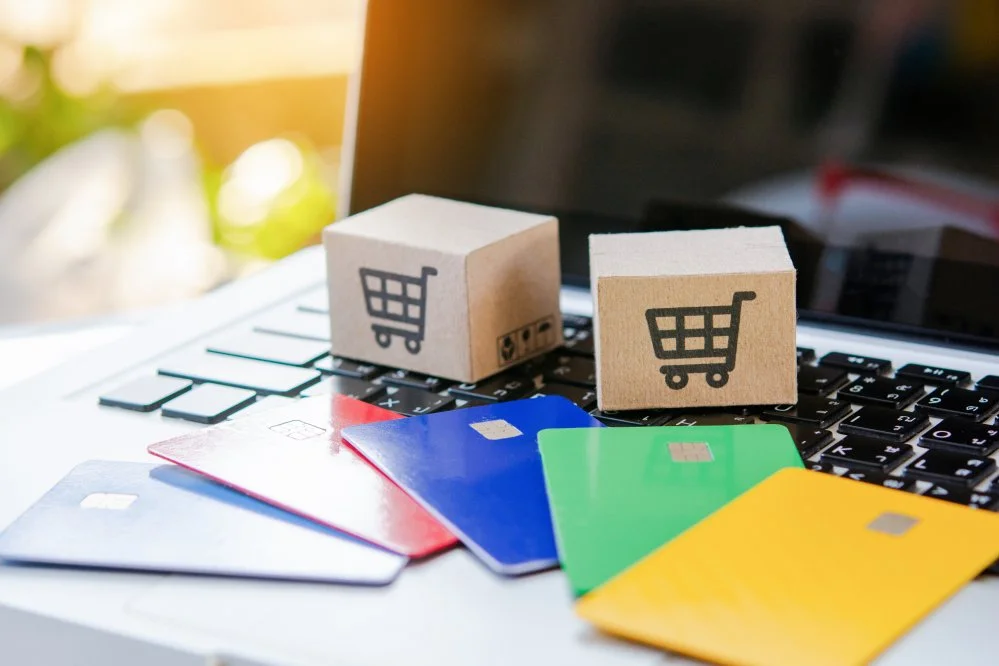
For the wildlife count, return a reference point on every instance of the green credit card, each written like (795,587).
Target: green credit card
(617,494)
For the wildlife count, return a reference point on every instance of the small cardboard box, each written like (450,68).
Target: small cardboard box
(442,287)
(693,319)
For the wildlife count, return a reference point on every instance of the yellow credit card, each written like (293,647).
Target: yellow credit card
(805,568)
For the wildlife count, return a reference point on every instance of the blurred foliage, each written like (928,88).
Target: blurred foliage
(40,118)
(37,118)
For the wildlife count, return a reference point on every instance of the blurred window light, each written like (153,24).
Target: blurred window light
(256,178)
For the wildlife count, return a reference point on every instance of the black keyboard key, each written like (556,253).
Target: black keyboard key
(351,387)
(989,383)
(965,403)
(810,410)
(853,451)
(950,468)
(825,468)
(413,402)
(572,370)
(853,363)
(813,380)
(975,499)
(641,417)
(882,391)
(209,403)
(145,394)
(884,423)
(297,324)
(578,322)
(507,386)
(584,398)
(881,479)
(462,403)
(272,348)
(581,343)
(241,373)
(931,375)
(805,355)
(808,440)
(345,367)
(318,302)
(415,380)
(710,418)
(962,435)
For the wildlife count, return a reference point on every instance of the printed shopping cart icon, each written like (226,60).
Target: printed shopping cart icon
(400,302)
(697,340)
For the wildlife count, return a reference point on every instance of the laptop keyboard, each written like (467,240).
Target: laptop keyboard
(918,429)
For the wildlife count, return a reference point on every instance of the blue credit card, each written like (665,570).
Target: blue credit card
(141,517)
(478,471)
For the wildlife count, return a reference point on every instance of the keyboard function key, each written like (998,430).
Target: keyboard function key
(853,363)
(584,398)
(882,391)
(507,386)
(316,302)
(209,403)
(805,355)
(643,417)
(880,479)
(351,387)
(145,394)
(345,367)
(965,403)
(951,468)
(974,499)
(962,435)
(816,380)
(413,402)
(932,375)
(272,348)
(853,451)
(415,380)
(884,423)
(241,373)
(576,370)
(810,410)
(297,324)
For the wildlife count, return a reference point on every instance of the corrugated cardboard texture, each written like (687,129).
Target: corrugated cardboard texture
(633,273)
(485,272)
(510,290)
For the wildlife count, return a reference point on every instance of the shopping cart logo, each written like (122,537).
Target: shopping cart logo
(397,305)
(697,340)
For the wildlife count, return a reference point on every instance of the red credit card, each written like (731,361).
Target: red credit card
(292,457)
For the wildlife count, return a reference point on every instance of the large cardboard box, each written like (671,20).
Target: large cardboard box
(446,288)
(693,319)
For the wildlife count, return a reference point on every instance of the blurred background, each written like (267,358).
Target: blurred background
(151,150)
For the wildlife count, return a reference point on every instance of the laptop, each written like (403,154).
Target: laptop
(604,114)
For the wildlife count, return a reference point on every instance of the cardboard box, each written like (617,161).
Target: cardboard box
(693,319)
(442,287)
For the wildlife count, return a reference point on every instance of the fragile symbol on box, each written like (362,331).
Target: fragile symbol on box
(697,340)
(399,302)
(525,341)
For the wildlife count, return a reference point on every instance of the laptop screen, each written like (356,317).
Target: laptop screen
(866,130)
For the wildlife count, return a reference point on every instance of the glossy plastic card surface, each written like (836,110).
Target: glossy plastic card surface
(292,457)
(617,494)
(134,516)
(479,471)
(764,579)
